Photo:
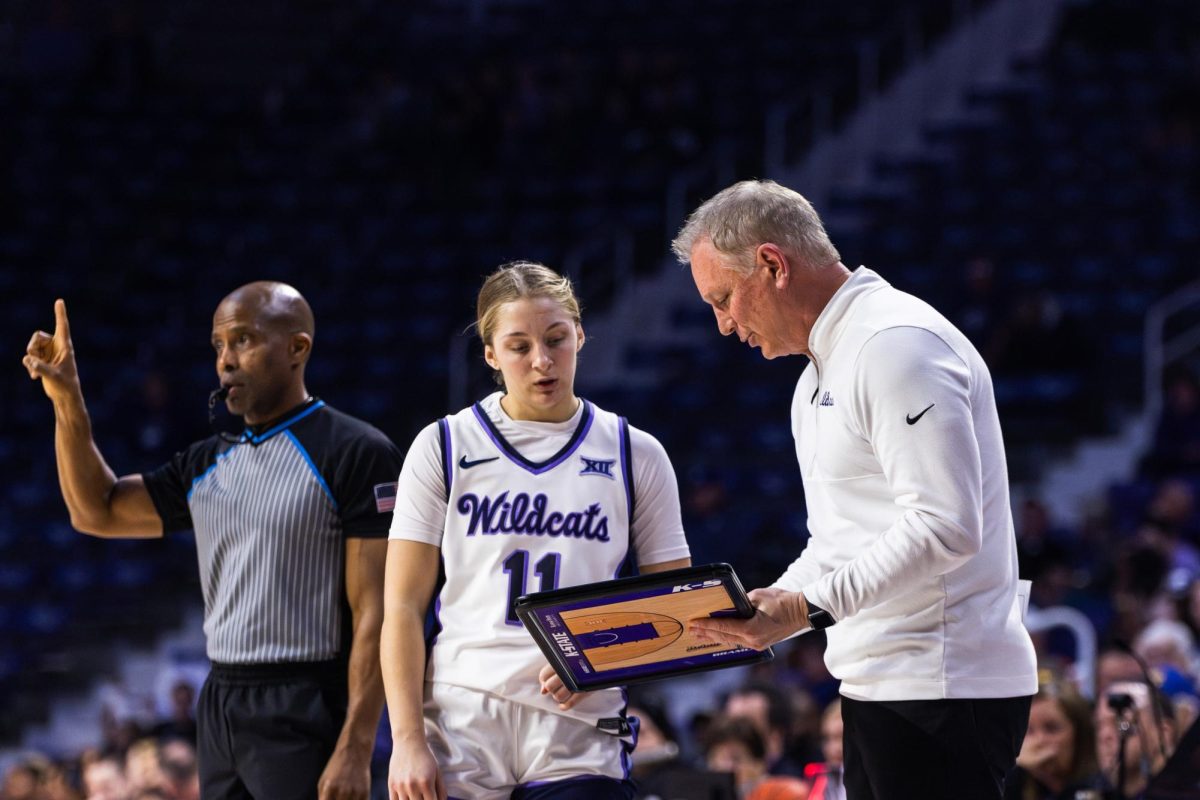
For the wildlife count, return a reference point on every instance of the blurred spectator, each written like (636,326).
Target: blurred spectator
(177,761)
(141,766)
(1043,554)
(1149,743)
(182,722)
(826,776)
(768,708)
(1115,666)
(656,745)
(21,782)
(1058,755)
(1140,575)
(1167,646)
(657,767)
(1174,504)
(734,744)
(119,728)
(1167,643)
(1176,446)
(104,779)
(1188,607)
(37,778)
(56,785)
(1173,508)
(806,658)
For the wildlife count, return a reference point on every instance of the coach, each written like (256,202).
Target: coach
(912,561)
(291,520)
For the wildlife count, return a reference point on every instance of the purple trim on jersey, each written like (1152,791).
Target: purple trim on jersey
(567,781)
(447,464)
(626,462)
(537,468)
(434,624)
(628,565)
(635,725)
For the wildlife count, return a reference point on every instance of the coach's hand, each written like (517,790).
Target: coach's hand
(778,614)
(51,358)
(413,773)
(558,691)
(347,776)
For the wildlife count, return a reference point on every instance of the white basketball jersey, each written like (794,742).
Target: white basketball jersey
(513,527)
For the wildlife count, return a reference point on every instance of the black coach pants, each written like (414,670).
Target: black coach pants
(265,732)
(931,749)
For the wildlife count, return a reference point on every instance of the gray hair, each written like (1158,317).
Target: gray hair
(740,218)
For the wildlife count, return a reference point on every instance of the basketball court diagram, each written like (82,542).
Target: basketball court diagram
(646,630)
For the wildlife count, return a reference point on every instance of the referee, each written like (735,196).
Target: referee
(291,521)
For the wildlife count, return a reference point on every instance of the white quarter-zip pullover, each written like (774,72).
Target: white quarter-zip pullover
(912,548)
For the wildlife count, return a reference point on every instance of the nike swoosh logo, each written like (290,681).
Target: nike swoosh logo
(913,420)
(462,462)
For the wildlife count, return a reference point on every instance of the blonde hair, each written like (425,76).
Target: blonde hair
(514,281)
(517,280)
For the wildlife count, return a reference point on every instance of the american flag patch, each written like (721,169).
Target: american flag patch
(385,497)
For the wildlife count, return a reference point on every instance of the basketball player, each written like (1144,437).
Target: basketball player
(530,489)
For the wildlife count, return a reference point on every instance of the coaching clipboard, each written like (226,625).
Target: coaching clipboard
(632,630)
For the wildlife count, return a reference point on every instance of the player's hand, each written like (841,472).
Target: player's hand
(347,776)
(558,691)
(778,614)
(413,773)
(51,357)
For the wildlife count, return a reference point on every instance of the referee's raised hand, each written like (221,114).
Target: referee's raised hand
(51,358)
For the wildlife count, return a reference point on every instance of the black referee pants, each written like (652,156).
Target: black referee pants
(931,749)
(265,732)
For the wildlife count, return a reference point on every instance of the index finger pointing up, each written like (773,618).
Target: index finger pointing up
(62,328)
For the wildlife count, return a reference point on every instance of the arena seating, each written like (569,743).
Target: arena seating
(386,172)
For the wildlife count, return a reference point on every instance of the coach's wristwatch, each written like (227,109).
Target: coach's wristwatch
(818,618)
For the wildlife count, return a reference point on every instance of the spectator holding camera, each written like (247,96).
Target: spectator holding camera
(1135,735)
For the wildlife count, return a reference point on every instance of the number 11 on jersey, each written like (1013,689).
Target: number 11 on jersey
(516,565)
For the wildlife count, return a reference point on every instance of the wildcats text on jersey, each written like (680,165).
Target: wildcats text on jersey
(523,515)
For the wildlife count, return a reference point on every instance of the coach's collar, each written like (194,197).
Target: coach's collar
(834,318)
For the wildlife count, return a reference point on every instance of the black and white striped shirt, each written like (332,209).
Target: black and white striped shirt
(271,515)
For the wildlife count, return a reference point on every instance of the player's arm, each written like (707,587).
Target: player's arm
(678,563)
(99,502)
(409,582)
(348,773)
